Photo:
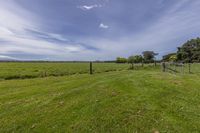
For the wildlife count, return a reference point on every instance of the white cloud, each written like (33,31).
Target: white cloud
(57,36)
(89,7)
(103,26)
(163,35)
(4,57)
(171,30)
(74,48)
(16,39)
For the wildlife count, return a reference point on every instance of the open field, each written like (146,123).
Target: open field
(119,101)
(26,70)
(33,70)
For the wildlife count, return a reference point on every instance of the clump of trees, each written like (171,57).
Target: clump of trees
(149,56)
(189,52)
(146,57)
(121,60)
(135,59)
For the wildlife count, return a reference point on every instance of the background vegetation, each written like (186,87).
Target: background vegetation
(189,52)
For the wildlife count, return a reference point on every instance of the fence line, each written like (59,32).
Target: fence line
(181,67)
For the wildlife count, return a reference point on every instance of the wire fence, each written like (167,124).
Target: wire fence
(183,68)
(26,70)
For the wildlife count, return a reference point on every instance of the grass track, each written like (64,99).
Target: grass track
(126,101)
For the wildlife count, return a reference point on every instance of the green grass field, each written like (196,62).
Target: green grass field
(41,69)
(140,101)
(33,70)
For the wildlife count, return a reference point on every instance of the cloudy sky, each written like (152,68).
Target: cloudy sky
(94,29)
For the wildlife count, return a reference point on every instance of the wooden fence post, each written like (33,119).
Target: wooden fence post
(91,70)
(132,66)
(189,67)
(155,63)
(163,67)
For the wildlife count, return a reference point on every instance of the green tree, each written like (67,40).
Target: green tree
(121,60)
(189,51)
(149,56)
(135,59)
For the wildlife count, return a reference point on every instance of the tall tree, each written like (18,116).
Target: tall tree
(189,51)
(149,56)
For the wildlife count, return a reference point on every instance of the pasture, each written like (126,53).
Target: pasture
(38,69)
(22,70)
(114,99)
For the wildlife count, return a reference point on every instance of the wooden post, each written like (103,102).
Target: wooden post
(132,67)
(142,63)
(189,65)
(163,67)
(155,63)
(91,70)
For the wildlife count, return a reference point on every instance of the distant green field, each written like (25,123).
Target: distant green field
(32,70)
(142,100)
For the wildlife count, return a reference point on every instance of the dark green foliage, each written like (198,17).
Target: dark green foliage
(190,51)
(121,60)
(149,56)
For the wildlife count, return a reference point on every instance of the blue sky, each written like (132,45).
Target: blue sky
(94,29)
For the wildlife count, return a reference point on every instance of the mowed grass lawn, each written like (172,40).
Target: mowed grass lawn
(125,101)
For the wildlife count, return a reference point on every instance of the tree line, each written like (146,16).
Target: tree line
(146,57)
(189,52)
